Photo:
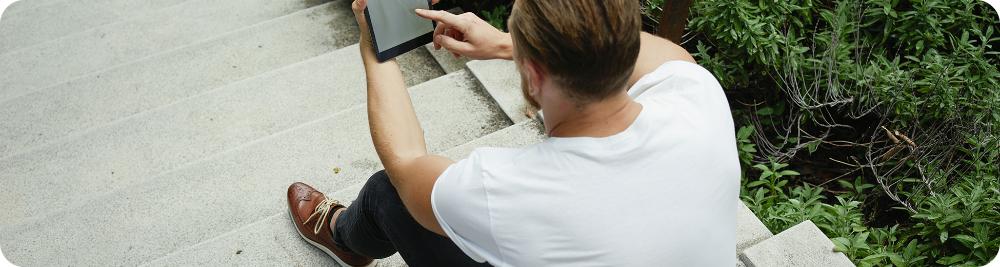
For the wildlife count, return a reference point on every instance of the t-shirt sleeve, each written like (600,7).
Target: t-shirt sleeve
(460,204)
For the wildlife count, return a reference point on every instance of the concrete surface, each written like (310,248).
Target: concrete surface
(801,245)
(446,59)
(749,229)
(220,193)
(99,98)
(165,132)
(25,5)
(519,135)
(58,19)
(259,242)
(61,60)
(268,242)
(154,142)
(501,79)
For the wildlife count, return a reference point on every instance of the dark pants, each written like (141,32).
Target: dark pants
(377,225)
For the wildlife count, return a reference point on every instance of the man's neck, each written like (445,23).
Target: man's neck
(598,119)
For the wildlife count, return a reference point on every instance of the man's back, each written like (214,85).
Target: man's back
(661,192)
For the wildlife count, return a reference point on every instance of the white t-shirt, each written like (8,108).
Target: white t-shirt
(661,193)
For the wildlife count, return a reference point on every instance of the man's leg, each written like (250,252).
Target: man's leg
(378,225)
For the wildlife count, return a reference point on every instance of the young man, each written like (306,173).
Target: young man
(640,167)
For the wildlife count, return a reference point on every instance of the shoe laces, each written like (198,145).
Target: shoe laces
(323,211)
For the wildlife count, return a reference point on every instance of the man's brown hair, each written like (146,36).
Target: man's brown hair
(589,46)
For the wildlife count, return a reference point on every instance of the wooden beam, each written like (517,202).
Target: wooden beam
(673,19)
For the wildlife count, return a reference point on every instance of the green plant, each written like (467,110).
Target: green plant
(966,222)
(497,17)
(651,10)
(772,177)
(745,145)
(856,189)
(888,107)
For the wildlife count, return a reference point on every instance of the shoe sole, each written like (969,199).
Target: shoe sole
(323,248)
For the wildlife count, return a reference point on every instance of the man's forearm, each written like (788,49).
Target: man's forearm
(392,121)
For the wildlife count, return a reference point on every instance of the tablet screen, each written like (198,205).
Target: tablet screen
(394,22)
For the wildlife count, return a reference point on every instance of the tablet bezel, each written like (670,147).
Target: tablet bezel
(401,48)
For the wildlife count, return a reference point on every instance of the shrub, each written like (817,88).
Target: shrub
(887,108)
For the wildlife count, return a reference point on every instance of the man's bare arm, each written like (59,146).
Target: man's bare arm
(396,133)
(653,52)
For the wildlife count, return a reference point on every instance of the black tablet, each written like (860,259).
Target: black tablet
(395,27)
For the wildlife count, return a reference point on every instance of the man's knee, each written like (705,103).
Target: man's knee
(379,182)
(381,188)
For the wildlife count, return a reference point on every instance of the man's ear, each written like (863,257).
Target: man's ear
(535,75)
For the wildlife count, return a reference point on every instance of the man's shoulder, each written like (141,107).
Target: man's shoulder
(674,75)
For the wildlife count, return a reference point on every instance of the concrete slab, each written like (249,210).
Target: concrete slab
(269,242)
(99,98)
(273,241)
(523,133)
(163,139)
(61,60)
(25,5)
(749,229)
(501,79)
(61,18)
(147,219)
(446,59)
(802,245)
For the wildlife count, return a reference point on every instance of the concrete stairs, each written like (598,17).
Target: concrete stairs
(164,133)
(34,22)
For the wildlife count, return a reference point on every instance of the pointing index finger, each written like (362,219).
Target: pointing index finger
(443,17)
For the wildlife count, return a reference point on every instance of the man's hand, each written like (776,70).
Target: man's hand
(468,35)
(365,42)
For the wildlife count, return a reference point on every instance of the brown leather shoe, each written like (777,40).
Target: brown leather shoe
(310,211)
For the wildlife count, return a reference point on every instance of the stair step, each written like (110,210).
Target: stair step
(503,82)
(273,241)
(210,197)
(26,5)
(51,63)
(99,98)
(37,25)
(749,229)
(446,59)
(802,245)
(260,242)
(268,242)
(521,134)
(154,142)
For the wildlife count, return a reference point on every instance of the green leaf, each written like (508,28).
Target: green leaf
(760,167)
(897,260)
(944,236)
(788,173)
(951,259)
(745,132)
(756,183)
(766,111)
(965,238)
(765,174)
(840,244)
(812,146)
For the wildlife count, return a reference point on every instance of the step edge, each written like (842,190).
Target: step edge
(164,53)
